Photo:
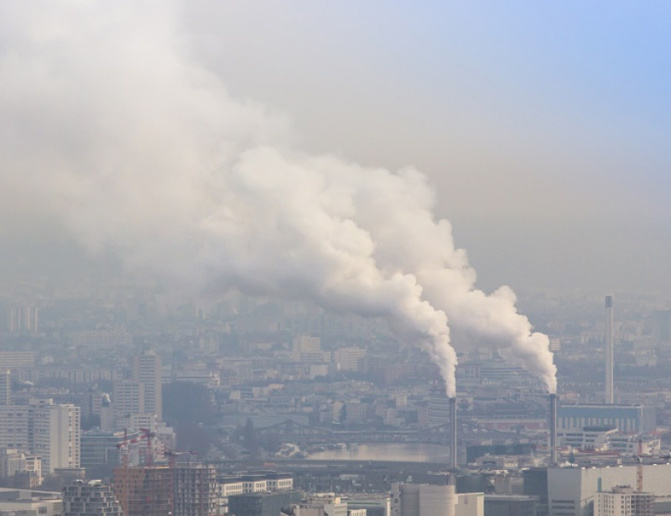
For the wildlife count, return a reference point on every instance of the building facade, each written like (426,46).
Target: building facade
(628,419)
(147,369)
(90,499)
(127,399)
(196,490)
(56,436)
(623,501)
(574,491)
(144,490)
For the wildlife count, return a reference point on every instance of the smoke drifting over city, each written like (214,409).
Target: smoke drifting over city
(109,128)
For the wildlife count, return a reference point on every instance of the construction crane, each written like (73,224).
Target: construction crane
(124,445)
(148,435)
(172,456)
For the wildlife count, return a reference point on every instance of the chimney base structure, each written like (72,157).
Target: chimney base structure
(453,433)
(553,429)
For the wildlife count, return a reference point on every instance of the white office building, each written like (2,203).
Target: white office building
(14,427)
(127,400)
(623,501)
(147,369)
(56,436)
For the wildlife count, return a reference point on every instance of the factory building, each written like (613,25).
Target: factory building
(434,500)
(628,419)
(574,491)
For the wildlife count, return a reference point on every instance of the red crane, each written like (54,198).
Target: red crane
(148,435)
(124,445)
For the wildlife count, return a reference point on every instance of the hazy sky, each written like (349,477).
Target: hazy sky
(543,126)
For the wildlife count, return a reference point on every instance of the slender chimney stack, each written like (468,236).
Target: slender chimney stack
(553,428)
(453,433)
(609,350)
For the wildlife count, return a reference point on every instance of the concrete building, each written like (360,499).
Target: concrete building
(21,364)
(5,386)
(591,438)
(15,462)
(623,501)
(144,490)
(306,344)
(321,506)
(127,399)
(253,483)
(510,505)
(434,500)
(639,419)
(25,502)
(100,449)
(147,369)
(196,490)
(90,499)
(535,483)
(573,491)
(56,436)
(438,409)
(263,504)
(349,358)
(17,359)
(22,318)
(14,427)
(374,504)
(105,339)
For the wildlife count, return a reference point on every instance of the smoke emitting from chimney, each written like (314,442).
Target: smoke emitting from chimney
(139,151)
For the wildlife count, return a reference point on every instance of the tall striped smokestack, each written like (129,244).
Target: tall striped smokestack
(553,428)
(453,433)
(609,350)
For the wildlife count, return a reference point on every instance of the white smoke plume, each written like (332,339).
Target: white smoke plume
(108,126)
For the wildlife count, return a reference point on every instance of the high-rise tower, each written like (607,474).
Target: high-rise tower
(608,344)
(147,370)
(195,490)
(56,435)
(5,386)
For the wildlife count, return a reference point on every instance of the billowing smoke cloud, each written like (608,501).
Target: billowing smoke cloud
(108,126)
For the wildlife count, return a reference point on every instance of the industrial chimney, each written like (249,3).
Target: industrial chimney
(453,433)
(553,428)
(608,343)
